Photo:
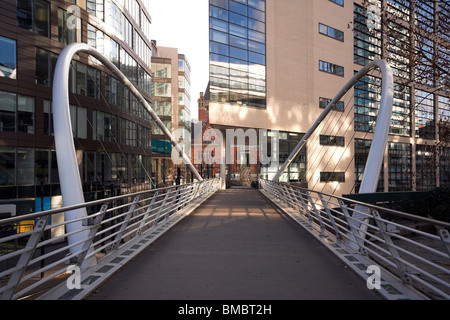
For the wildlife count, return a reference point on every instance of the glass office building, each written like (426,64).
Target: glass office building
(237,51)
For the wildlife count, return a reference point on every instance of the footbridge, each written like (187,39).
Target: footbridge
(199,241)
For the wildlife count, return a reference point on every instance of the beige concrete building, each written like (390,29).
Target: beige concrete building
(294,56)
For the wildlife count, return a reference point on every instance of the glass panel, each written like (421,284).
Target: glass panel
(25,166)
(7,112)
(42,17)
(25,14)
(25,114)
(82,122)
(81,79)
(42,167)
(7,166)
(8,58)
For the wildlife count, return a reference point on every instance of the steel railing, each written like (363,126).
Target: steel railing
(37,260)
(413,250)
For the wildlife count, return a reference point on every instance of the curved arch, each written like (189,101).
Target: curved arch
(375,159)
(71,188)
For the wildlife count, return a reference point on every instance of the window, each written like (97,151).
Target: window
(25,114)
(425,120)
(7,166)
(34,16)
(339,2)
(332,141)
(425,167)
(67,34)
(238,52)
(78,117)
(7,112)
(367,43)
(96,8)
(45,66)
(16,113)
(362,149)
(128,133)
(25,166)
(400,166)
(8,62)
(104,127)
(331,68)
(444,159)
(331,32)
(85,80)
(48,118)
(332,177)
(324,102)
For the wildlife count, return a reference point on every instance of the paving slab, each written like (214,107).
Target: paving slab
(236,246)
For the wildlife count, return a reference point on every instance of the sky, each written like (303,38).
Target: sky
(183,24)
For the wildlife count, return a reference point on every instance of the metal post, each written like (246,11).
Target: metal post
(354,230)
(161,208)
(147,213)
(305,206)
(25,258)
(313,206)
(91,234)
(330,216)
(124,225)
(390,245)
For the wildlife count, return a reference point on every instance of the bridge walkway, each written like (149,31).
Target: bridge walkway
(236,246)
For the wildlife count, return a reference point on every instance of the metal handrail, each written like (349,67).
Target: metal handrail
(41,257)
(414,249)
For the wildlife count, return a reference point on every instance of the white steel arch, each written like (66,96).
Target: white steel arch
(375,159)
(71,188)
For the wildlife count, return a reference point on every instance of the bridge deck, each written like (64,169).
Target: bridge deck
(236,246)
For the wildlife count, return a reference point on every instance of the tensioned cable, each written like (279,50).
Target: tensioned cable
(342,116)
(336,149)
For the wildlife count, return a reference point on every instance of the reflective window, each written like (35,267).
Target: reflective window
(425,167)
(25,166)
(25,114)
(331,32)
(400,166)
(7,166)
(45,66)
(68,33)
(34,16)
(8,64)
(7,111)
(362,149)
(16,113)
(331,68)
(425,120)
(237,52)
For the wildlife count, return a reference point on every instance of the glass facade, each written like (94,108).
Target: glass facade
(296,172)
(238,52)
